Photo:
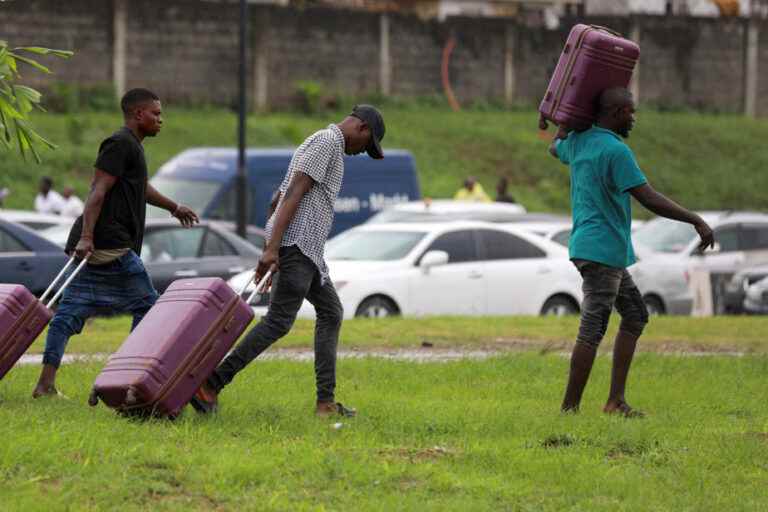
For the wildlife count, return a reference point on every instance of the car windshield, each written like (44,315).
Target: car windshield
(193,193)
(665,235)
(372,245)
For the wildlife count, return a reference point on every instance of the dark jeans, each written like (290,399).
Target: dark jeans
(298,279)
(121,286)
(605,287)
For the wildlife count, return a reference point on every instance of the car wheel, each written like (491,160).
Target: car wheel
(654,305)
(376,307)
(559,305)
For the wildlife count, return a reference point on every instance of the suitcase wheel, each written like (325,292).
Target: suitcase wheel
(93,399)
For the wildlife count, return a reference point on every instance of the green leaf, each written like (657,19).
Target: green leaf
(31,62)
(64,54)
(27,92)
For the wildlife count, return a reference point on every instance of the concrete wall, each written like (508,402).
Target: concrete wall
(186,50)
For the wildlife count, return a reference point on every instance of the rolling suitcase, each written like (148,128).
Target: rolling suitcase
(594,59)
(23,317)
(175,347)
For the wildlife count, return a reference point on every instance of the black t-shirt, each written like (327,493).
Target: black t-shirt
(121,222)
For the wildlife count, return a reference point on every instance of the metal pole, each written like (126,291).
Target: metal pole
(241,205)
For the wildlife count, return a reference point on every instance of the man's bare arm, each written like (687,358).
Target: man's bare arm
(661,205)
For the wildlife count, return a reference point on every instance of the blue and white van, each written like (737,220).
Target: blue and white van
(204,179)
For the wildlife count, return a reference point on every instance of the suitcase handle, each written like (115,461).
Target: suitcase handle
(260,288)
(606,29)
(66,283)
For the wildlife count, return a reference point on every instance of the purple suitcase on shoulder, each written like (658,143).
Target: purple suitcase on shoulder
(175,347)
(594,59)
(23,317)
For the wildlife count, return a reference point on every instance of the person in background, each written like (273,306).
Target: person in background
(73,205)
(3,194)
(48,200)
(502,196)
(472,191)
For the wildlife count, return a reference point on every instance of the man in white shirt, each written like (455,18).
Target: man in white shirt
(73,206)
(48,200)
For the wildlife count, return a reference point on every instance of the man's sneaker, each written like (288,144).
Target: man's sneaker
(204,401)
(326,409)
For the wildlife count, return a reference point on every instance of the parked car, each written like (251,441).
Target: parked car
(27,258)
(205,178)
(756,298)
(737,287)
(171,251)
(446,210)
(668,249)
(560,231)
(35,220)
(447,268)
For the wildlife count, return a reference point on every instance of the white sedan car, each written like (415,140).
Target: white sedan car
(447,268)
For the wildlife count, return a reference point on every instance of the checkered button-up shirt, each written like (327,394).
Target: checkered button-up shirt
(321,157)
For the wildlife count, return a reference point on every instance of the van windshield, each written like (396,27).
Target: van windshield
(193,193)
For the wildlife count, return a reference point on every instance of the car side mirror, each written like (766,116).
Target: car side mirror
(433,259)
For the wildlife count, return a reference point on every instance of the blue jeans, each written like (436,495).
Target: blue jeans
(121,286)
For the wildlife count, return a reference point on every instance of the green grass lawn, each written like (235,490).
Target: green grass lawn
(741,334)
(455,436)
(704,161)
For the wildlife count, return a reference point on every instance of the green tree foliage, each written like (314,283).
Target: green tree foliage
(17,101)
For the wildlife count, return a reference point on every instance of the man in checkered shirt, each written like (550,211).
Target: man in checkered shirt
(296,234)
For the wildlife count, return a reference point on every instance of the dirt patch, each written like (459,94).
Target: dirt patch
(760,436)
(559,441)
(626,449)
(418,454)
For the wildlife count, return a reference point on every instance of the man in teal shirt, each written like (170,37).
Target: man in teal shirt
(604,173)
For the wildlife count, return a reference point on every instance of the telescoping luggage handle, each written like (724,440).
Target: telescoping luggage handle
(260,287)
(66,283)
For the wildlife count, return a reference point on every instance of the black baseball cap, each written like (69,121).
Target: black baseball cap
(372,117)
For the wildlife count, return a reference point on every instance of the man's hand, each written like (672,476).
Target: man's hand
(707,237)
(186,216)
(84,248)
(267,263)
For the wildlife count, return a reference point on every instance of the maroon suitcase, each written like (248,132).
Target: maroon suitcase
(23,317)
(594,59)
(175,347)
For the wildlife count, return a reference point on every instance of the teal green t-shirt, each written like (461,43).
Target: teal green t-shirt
(603,170)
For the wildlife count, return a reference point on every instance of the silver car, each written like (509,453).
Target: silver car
(667,251)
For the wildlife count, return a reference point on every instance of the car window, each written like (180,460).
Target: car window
(563,237)
(460,246)
(215,245)
(257,239)
(171,244)
(728,239)
(498,245)
(754,237)
(8,243)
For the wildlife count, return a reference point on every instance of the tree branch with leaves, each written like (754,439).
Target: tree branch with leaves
(18,101)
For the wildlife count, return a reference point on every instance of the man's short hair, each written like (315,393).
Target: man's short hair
(613,98)
(47,180)
(135,97)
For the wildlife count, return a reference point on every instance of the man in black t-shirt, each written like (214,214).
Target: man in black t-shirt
(110,233)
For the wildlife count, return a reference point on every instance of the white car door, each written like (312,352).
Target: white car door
(516,272)
(456,288)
